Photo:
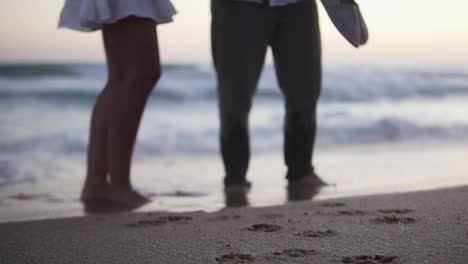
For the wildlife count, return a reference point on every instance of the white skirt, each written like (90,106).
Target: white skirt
(90,15)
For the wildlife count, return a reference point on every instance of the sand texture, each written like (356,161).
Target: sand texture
(423,227)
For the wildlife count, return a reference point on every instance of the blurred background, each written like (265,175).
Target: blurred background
(408,87)
(416,32)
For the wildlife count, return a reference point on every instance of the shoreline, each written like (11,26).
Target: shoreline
(355,171)
(418,227)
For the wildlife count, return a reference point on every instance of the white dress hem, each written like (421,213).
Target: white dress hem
(92,15)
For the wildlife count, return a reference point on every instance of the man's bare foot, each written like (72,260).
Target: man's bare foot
(236,194)
(238,188)
(305,188)
(126,196)
(310,179)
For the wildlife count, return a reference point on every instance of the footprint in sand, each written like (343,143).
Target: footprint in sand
(353,213)
(377,259)
(331,204)
(264,228)
(235,258)
(393,220)
(176,218)
(295,253)
(270,216)
(159,221)
(224,218)
(395,211)
(319,234)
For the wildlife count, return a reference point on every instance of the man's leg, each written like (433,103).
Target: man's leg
(239,41)
(297,55)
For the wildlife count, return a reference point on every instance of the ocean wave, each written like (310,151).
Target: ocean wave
(187,82)
(181,82)
(390,129)
(36,70)
(87,96)
(38,156)
(207,92)
(173,139)
(42,70)
(45,112)
(181,66)
(78,97)
(267,138)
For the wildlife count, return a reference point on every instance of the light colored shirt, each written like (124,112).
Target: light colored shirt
(274,2)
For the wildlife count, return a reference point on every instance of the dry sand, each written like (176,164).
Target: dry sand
(422,227)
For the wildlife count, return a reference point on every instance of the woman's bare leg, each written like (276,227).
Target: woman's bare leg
(134,68)
(96,176)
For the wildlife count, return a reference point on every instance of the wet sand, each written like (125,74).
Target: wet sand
(187,183)
(420,227)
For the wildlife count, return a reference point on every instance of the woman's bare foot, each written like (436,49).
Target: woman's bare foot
(94,192)
(107,199)
(126,196)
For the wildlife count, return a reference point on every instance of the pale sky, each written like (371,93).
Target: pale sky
(402,32)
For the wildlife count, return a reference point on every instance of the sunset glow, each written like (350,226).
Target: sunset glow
(402,32)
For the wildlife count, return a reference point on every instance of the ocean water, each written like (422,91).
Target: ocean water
(45,110)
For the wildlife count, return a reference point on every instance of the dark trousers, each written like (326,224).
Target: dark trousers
(241,34)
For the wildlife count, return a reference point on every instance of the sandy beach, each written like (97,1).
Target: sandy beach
(389,132)
(420,227)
